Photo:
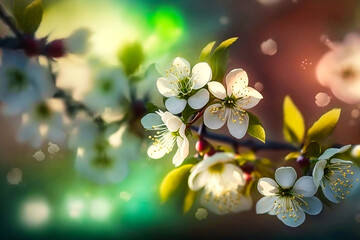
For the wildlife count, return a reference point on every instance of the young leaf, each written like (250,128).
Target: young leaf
(131,57)
(292,156)
(172,180)
(219,59)
(206,52)
(189,200)
(323,127)
(32,17)
(294,126)
(311,149)
(255,128)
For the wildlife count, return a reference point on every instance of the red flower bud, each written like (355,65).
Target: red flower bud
(248,177)
(248,167)
(201,145)
(56,48)
(31,46)
(303,161)
(211,152)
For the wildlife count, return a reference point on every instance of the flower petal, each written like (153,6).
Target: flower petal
(201,75)
(265,204)
(251,99)
(196,181)
(166,88)
(332,151)
(215,116)
(238,124)
(217,89)
(199,99)
(285,177)
(175,105)
(173,124)
(318,172)
(150,120)
(312,205)
(305,186)
(182,67)
(236,82)
(267,187)
(156,151)
(295,220)
(329,194)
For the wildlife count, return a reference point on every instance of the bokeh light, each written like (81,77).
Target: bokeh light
(35,212)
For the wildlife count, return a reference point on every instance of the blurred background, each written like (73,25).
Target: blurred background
(67,205)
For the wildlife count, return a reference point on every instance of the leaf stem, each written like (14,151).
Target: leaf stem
(9,22)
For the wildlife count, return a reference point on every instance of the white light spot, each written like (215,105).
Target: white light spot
(355,113)
(201,214)
(35,212)
(125,196)
(322,99)
(268,2)
(53,148)
(75,208)
(224,20)
(39,156)
(99,209)
(269,47)
(259,86)
(355,152)
(305,63)
(14,176)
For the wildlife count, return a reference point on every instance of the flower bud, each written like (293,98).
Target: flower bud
(248,177)
(303,161)
(248,167)
(31,46)
(201,145)
(55,49)
(211,152)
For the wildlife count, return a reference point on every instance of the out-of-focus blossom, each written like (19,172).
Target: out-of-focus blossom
(337,177)
(355,152)
(339,69)
(233,103)
(169,129)
(287,198)
(53,148)
(45,120)
(269,47)
(355,113)
(322,99)
(223,183)
(103,156)
(14,176)
(181,87)
(109,89)
(39,156)
(23,82)
(35,212)
(201,214)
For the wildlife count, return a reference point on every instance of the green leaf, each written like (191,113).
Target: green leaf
(323,127)
(292,156)
(294,126)
(32,17)
(172,181)
(131,56)
(189,200)
(311,149)
(188,111)
(206,52)
(220,58)
(255,128)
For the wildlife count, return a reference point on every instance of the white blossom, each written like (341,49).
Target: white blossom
(337,178)
(233,103)
(77,42)
(339,69)
(45,120)
(169,130)
(23,82)
(223,183)
(287,198)
(182,88)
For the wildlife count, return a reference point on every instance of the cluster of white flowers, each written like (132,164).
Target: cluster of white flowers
(181,89)
(289,199)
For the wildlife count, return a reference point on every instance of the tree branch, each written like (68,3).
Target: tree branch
(9,22)
(254,145)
